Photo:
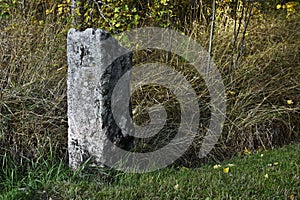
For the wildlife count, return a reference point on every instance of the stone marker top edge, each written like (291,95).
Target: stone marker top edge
(93,37)
(98,33)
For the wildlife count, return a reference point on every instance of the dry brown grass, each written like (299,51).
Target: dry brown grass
(33,88)
(33,72)
(265,78)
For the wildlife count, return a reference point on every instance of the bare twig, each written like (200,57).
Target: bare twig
(246,23)
(73,11)
(211,36)
(236,31)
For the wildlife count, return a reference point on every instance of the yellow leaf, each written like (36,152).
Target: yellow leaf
(246,151)
(86,19)
(266,176)
(275,163)
(232,92)
(176,187)
(164,2)
(289,102)
(48,12)
(217,166)
(290,5)
(77,12)
(292,197)
(226,170)
(278,6)
(60,10)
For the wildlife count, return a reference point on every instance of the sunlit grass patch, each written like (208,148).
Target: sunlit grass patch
(274,175)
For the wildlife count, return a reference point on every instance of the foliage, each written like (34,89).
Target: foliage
(118,15)
(291,8)
(4,10)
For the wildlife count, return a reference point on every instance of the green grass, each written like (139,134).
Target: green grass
(33,113)
(272,174)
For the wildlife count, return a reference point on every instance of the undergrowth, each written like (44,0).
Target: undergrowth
(263,105)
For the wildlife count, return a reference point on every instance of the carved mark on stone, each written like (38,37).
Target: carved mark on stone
(97,103)
(75,142)
(97,106)
(81,54)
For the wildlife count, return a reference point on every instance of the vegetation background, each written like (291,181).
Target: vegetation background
(256,45)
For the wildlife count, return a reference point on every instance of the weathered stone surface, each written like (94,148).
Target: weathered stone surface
(95,63)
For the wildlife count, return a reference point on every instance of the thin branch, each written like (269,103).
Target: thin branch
(236,31)
(246,23)
(234,38)
(211,36)
(99,9)
(73,11)
(24,9)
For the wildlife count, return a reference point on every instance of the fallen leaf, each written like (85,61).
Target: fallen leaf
(292,197)
(217,166)
(246,151)
(226,170)
(176,186)
(266,175)
(289,102)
